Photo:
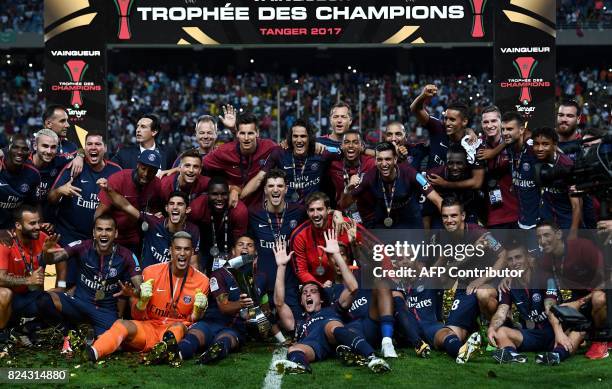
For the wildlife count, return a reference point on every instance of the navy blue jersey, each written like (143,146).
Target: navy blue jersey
(157,239)
(571,148)
(416,154)
(422,301)
(315,322)
(265,235)
(16,188)
(530,305)
(359,309)
(94,271)
(303,173)
(48,175)
(555,203)
(223,282)
(523,180)
(438,142)
(75,214)
(405,210)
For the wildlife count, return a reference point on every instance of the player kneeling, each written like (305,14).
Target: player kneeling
(320,328)
(173,297)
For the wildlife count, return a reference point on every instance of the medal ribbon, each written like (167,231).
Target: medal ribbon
(174,302)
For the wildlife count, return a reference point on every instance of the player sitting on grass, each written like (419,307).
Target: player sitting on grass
(320,328)
(530,298)
(223,329)
(172,298)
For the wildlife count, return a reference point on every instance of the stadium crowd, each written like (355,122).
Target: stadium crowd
(584,14)
(182,254)
(21,16)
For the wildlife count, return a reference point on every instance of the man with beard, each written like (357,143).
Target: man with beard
(441,134)
(77,199)
(274,220)
(502,204)
(302,165)
(320,326)
(240,160)
(557,204)
(188,179)
(103,267)
(522,163)
(147,129)
(142,189)
(570,142)
(455,171)
(172,298)
(156,239)
(413,153)
(49,165)
(18,179)
(568,117)
(220,224)
(340,119)
(223,329)
(353,162)
(55,118)
(529,295)
(396,189)
(22,268)
(576,265)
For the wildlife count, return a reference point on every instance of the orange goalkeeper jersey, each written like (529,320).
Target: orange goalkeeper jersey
(163,306)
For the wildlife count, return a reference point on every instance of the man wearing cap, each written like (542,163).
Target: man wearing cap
(142,189)
(147,129)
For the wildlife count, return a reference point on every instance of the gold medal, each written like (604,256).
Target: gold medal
(388,222)
(320,270)
(100,295)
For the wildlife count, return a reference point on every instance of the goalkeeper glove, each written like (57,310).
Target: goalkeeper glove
(146,291)
(200,303)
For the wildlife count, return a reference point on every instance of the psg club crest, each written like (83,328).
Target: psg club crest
(293,223)
(526,167)
(151,157)
(24,188)
(187,299)
(315,166)
(536,297)
(112,272)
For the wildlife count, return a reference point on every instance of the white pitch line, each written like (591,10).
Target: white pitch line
(273,379)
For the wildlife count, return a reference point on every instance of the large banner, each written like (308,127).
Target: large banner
(525,60)
(77,33)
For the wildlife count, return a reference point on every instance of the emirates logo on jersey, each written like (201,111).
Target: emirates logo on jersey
(187,299)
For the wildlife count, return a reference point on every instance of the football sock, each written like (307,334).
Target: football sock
(511,349)
(356,342)
(563,353)
(110,340)
(188,346)
(386,326)
(298,357)
(48,312)
(452,344)
(407,323)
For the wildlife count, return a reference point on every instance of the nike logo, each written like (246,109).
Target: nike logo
(443,145)
(158,235)
(89,266)
(233,288)
(84,181)
(161,290)
(262,225)
(17,259)
(3,184)
(519,303)
(287,167)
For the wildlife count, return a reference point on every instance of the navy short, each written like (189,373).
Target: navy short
(77,310)
(212,330)
(464,311)
(537,339)
(24,304)
(428,330)
(368,328)
(318,342)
